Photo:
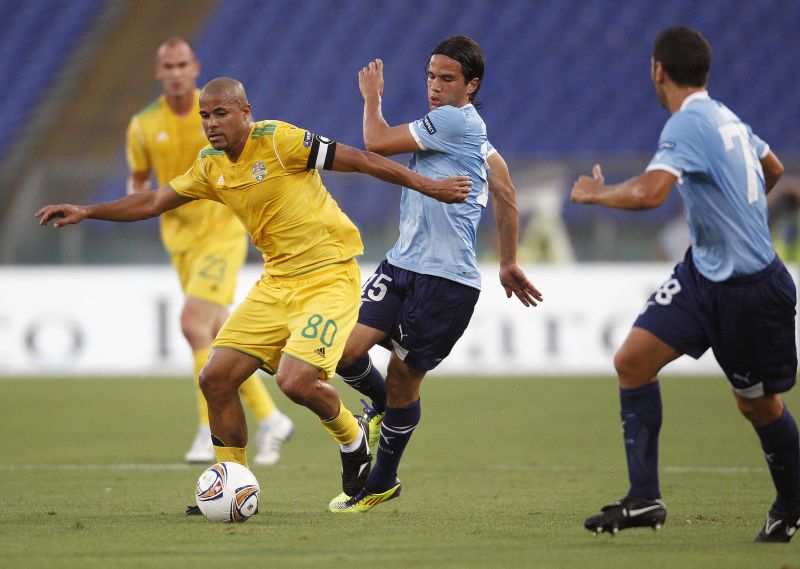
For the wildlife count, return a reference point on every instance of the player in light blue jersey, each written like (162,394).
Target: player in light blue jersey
(420,299)
(731,292)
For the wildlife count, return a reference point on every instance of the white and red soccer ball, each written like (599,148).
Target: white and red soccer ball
(227,492)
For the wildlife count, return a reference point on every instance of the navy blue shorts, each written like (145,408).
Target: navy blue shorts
(748,322)
(423,315)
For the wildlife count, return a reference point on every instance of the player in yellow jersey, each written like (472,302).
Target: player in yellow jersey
(205,241)
(306,303)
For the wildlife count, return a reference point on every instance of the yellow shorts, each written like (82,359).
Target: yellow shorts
(209,271)
(307,317)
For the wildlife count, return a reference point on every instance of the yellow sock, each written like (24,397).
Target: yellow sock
(200,359)
(256,397)
(231,454)
(343,427)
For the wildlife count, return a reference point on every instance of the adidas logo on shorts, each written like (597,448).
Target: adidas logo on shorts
(320,351)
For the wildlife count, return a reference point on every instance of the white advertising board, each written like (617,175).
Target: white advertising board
(125,320)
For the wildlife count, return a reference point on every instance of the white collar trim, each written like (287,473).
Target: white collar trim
(697,95)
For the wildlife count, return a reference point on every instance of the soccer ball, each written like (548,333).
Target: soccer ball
(227,492)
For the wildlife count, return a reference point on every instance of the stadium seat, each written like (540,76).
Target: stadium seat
(57,28)
(563,79)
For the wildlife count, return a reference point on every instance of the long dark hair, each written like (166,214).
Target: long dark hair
(468,53)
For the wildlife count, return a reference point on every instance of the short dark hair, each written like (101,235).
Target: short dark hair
(468,53)
(172,41)
(684,54)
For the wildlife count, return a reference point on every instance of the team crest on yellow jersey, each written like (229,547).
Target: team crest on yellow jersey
(259,171)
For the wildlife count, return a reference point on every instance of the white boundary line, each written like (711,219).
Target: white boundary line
(155,467)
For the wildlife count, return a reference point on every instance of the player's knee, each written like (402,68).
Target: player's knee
(356,348)
(206,381)
(197,331)
(402,389)
(191,331)
(213,384)
(349,357)
(345,361)
(761,411)
(626,364)
(294,387)
(756,416)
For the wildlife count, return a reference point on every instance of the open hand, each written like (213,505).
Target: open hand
(370,79)
(585,188)
(66,214)
(514,281)
(449,190)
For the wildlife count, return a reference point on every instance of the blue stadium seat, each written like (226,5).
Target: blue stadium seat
(563,79)
(38,38)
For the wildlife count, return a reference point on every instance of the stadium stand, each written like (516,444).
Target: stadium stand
(566,81)
(34,64)
(584,63)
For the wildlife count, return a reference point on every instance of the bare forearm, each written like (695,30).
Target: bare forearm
(630,194)
(390,171)
(134,207)
(773,170)
(130,208)
(645,191)
(769,181)
(506,217)
(374,123)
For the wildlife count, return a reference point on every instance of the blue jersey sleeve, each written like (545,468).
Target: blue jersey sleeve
(679,147)
(761,147)
(442,130)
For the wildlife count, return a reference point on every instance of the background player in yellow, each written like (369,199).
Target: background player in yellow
(306,303)
(205,241)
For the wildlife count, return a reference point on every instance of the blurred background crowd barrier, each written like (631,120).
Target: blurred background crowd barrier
(112,320)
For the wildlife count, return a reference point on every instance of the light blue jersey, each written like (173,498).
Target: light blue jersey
(436,238)
(716,158)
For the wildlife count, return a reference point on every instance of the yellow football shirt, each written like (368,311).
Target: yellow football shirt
(275,190)
(160,141)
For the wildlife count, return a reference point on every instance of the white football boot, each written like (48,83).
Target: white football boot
(273,432)
(201,451)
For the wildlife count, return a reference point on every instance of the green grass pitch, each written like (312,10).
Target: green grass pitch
(500,473)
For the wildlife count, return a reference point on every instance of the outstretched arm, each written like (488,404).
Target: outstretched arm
(645,191)
(379,137)
(137,206)
(506,216)
(448,190)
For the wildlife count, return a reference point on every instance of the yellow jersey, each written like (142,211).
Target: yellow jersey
(275,190)
(160,141)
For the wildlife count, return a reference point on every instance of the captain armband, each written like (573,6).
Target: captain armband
(322,152)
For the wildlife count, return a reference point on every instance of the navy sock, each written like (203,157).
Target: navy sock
(396,430)
(781,444)
(641,423)
(362,376)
